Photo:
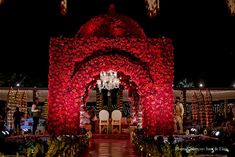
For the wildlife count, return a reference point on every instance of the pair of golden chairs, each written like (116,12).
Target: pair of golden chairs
(116,117)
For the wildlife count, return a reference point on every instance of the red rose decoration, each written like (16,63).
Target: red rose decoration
(75,64)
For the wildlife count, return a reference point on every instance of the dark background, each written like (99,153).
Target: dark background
(202,33)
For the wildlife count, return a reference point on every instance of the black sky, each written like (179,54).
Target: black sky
(202,33)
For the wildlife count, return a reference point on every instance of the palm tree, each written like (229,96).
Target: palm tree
(185,84)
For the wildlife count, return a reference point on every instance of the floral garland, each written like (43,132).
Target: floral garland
(194,109)
(208,108)
(201,104)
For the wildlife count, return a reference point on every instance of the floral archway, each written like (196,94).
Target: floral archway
(75,62)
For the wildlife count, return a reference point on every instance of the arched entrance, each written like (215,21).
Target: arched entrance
(124,98)
(75,62)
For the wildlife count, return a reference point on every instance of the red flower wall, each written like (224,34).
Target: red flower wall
(75,65)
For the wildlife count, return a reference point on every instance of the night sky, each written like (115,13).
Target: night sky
(202,33)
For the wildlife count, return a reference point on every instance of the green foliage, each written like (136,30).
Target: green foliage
(185,83)
(189,146)
(53,146)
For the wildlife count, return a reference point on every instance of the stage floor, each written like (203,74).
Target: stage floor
(110,148)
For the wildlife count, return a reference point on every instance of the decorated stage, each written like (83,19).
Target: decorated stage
(143,66)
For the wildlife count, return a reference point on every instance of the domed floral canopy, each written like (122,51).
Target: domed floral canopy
(110,42)
(111,25)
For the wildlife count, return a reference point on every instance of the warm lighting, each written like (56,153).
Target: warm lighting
(217,133)
(153,7)
(201,85)
(187,132)
(108,80)
(154,84)
(1,2)
(231,7)
(205,132)
(234,85)
(193,131)
(140,117)
(3,132)
(63,7)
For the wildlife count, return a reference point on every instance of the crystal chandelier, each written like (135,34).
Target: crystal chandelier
(108,80)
